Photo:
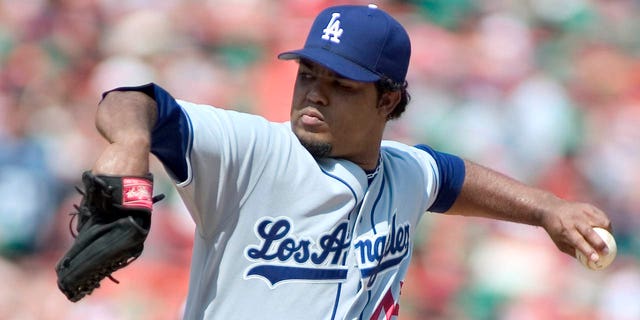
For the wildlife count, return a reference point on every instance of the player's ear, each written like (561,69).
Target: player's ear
(388,102)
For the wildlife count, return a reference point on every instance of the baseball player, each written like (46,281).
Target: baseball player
(314,218)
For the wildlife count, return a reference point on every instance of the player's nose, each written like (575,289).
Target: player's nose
(317,93)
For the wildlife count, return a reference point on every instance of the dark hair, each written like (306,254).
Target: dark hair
(385,85)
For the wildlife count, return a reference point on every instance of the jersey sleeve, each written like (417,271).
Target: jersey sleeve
(451,172)
(171,135)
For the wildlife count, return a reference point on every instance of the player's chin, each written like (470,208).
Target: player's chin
(318,149)
(317,145)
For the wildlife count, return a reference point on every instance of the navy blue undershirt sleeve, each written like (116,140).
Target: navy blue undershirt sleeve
(451,170)
(170,137)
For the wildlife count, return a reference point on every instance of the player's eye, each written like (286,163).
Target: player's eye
(305,75)
(343,84)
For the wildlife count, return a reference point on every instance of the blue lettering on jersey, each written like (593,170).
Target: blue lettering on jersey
(381,252)
(282,256)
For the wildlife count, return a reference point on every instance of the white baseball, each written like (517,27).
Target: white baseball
(605,258)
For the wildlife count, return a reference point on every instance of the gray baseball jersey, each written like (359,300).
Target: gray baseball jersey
(281,235)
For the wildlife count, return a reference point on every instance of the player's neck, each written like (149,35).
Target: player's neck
(368,163)
(365,154)
(371,174)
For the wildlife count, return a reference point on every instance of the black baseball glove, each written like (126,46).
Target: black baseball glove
(113,220)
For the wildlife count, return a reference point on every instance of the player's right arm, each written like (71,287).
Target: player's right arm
(125,119)
(469,189)
(490,194)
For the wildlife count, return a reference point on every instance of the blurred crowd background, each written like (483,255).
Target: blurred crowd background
(545,91)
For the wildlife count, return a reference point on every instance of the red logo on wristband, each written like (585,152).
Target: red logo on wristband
(136,193)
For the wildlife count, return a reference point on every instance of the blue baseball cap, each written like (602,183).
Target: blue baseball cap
(361,43)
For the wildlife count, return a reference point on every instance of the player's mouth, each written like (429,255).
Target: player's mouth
(311,118)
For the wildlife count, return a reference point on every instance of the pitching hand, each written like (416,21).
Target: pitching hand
(570,227)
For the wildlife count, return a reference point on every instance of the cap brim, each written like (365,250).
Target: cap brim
(333,62)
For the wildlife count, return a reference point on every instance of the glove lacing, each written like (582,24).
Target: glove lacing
(107,270)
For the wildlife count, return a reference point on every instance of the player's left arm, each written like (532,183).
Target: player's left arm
(490,194)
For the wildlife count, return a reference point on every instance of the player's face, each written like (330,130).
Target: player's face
(337,117)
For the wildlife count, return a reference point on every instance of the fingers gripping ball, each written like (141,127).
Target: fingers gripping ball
(606,257)
(113,220)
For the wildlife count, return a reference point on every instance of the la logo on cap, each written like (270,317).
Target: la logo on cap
(333,31)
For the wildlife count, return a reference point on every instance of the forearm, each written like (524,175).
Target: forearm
(490,194)
(125,119)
